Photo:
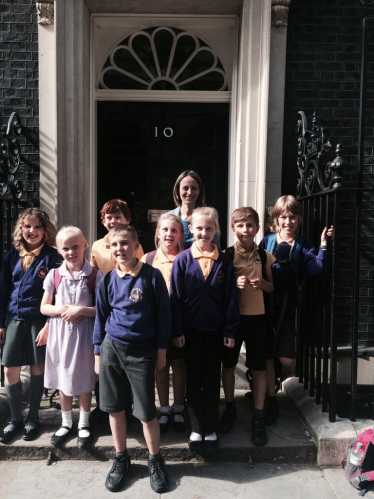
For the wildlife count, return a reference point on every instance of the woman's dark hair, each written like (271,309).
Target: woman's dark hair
(176,190)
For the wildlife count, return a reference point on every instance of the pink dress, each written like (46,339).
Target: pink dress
(69,362)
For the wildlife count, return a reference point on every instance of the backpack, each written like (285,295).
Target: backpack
(230,251)
(359,467)
(149,257)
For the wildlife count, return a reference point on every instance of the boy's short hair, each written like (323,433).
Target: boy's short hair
(241,214)
(123,228)
(114,205)
(287,203)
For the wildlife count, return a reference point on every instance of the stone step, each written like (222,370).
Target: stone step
(289,441)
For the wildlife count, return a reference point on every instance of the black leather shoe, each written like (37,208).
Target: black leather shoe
(83,442)
(227,421)
(57,440)
(195,445)
(178,426)
(10,431)
(259,436)
(157,475)
(211,444)
(116,476)
(30,433)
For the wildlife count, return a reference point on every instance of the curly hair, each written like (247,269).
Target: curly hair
(176,190)
(49,236)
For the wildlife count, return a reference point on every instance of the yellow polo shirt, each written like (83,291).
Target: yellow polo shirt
(251,302)
(163,263)
(205,261)
(101,256)
(28,257)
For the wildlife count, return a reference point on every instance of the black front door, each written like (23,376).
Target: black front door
(143,147)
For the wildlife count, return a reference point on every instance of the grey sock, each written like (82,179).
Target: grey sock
(14,394)
(36,394)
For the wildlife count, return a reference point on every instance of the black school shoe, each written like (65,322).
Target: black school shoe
(210,445)
(31,433)
(84,442)
(117,474)
(58,440)
(259,436)
(10,431)
(227,421)
(157,474)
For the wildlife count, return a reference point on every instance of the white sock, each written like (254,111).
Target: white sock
(165,411)
(178,408)
(66,421)
(196,437)
(83,419)
(211,436)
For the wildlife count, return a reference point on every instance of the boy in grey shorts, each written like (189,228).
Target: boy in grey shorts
(131,335)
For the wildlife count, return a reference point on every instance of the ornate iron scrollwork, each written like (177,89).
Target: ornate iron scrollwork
(10,154)
(311,146)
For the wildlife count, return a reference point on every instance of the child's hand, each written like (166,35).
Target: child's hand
(72,313)
(2,335)
(97,364)
(326,232)
(255,283)
(179,342)
(241,282)
(161,359)
(42,337)
(229,342)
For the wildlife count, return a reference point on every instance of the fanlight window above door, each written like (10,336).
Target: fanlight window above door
(163,59)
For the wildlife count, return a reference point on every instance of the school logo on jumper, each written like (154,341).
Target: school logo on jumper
(136,295)
(257,260)
(42,272)
(220,276)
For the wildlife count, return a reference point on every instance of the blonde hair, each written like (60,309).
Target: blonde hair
(69,230)
(287,203)
(173,218)
(123,228)
(49,236)
(206,211)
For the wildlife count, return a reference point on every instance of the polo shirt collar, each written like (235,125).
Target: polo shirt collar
(36,252)
(196,253)
(133,272)
(242,251)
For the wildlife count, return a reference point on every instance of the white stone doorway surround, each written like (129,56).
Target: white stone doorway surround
(68,95)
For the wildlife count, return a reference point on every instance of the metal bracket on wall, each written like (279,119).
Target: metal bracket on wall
(10,160)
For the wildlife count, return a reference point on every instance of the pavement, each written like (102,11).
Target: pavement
(302,435)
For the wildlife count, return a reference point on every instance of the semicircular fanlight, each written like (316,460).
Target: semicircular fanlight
(163,59)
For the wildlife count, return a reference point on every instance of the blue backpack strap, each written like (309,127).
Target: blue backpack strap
(270,243)
(295,253)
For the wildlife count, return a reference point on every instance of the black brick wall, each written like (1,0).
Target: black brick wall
(19,84)
(323,73)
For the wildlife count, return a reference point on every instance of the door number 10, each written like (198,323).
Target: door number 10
(168,132)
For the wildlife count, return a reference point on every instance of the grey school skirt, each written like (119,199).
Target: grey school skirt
(20,348)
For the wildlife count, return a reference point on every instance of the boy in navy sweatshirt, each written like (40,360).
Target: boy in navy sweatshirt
(131,334)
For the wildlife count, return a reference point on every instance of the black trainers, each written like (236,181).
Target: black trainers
(157,474)
(259,436)
(227,421)
(116,476)
(271,414)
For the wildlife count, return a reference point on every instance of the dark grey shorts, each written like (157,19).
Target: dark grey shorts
(123,369)
(20,348)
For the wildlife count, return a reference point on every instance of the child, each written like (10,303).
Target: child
(252,268)
(168,239)
(131,334)
(70,303)
(113,213)
(287,215)
(205,316)
(21,323)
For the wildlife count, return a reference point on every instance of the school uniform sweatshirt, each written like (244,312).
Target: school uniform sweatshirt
(21,292)
(131,319)
(206,304)
(311,263)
